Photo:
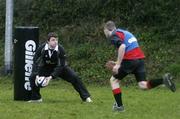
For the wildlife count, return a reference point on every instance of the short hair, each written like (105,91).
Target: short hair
(110,25)
(52,34)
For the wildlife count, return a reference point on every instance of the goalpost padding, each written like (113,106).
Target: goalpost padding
(26,41)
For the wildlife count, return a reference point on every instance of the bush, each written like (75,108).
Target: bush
(155,23)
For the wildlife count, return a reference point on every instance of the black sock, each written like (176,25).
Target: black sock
(118,99)
(117,95)
(155,83)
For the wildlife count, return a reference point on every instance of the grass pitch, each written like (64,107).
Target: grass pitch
(60,101)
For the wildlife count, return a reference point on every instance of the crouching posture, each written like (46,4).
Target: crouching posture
(130,60)
(49,62)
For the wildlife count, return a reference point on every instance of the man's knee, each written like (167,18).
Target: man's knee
(143,84)
(114,82)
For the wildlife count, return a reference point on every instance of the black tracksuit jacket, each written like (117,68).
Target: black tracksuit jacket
(46,65)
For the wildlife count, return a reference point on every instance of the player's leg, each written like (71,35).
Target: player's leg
(117,92)
(155,82)
(35,91)
(140,75)
(69,75)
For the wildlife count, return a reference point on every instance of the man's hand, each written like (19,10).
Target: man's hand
(115,69)
(47,81)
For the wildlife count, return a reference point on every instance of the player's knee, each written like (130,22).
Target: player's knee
(114,83)
(113,80)
(143,85)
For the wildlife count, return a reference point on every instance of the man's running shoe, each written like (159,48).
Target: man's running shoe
(117,108)
(167,80)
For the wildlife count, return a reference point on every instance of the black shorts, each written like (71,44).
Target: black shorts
(135,67)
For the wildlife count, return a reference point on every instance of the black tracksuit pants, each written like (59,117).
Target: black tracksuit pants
(66,74)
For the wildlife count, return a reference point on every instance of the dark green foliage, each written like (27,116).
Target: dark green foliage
(79,23)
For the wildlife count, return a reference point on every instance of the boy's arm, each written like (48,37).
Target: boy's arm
(121,51)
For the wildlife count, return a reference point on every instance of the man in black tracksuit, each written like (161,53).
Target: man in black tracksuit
(49,61)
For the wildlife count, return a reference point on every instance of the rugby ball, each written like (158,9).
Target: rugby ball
(40,81)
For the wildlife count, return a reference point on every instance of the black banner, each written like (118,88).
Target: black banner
(26,42)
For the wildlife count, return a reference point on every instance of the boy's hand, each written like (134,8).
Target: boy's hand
(47,81)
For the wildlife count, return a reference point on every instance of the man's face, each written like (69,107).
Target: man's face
(107,33)
(53,42)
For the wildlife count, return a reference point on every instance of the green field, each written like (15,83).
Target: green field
(60,101)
